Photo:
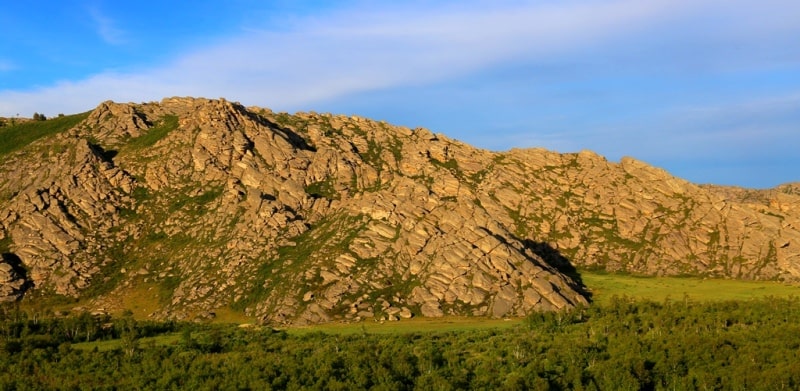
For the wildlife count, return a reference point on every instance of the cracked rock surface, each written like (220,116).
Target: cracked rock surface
(190,206)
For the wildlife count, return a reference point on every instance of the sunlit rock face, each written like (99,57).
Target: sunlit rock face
(189,206)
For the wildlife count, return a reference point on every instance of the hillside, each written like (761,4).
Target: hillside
(196,206)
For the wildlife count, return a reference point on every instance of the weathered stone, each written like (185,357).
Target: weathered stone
(318,212)
(365,314)
(405,313)
(431,310)
(308,296)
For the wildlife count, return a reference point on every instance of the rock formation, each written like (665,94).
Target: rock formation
(197,205)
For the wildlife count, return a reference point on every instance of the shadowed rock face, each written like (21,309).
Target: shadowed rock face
(193,205)
(13,279)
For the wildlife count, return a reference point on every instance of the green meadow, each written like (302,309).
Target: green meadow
(414,325)
(646,333)
(604,286)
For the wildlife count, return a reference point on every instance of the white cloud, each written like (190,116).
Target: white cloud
(755,127)
(353,50)
(106,28)
(6,65)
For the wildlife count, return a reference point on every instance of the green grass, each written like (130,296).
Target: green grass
(606,285)
(414,325)
(113,344)
(196,205)
(450,165)
(327,238)
(372,155)
(145,298)
(5,244)
(325,189)
(16,137)
(168,123)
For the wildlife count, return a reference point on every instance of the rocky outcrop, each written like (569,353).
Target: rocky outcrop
(13,282)
(60,218)
(633,217)
(195,205)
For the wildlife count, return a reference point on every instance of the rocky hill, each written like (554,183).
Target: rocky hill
(195,206)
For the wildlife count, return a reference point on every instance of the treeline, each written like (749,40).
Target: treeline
(626,344)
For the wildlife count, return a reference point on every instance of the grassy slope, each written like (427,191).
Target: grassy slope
(112,344)
(15,137)
(416,325)
(605,285)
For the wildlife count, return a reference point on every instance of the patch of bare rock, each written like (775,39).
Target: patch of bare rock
(199,204)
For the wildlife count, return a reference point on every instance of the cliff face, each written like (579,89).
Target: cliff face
(195,205)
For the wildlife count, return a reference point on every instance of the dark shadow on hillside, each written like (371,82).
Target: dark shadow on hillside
(19,269)
(557,260)
(107,156)
(551,257)
(286,133)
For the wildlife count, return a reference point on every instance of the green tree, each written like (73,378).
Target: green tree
(128,333)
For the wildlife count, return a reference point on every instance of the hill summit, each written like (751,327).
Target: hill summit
(187,207)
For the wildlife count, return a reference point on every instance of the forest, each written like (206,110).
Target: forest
(622,343)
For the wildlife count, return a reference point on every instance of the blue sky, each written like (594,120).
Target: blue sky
(707,89)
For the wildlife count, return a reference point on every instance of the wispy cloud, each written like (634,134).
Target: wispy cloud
(107,28)
(765,125)
(658,79)
(353,50)
(6,65)
(747,142)
(756,127)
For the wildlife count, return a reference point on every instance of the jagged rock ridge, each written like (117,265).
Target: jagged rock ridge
(203,204)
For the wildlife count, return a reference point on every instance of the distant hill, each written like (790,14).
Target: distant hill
(191,207)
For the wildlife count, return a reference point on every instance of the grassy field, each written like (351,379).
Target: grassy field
(112,344)
(605,285)
(414,325)
(18,136)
